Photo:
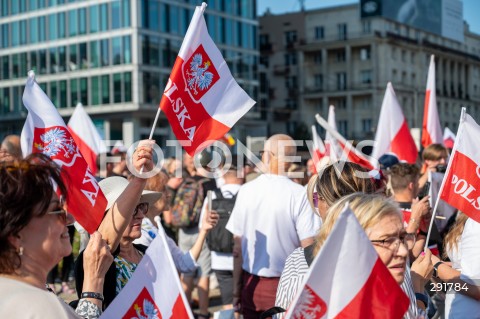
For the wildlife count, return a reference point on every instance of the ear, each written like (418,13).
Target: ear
(15,240)
(411,186)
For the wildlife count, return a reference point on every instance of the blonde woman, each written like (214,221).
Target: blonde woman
(381,219)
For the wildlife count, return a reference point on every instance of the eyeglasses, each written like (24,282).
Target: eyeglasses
(142,207)
(392,243)
(63,214)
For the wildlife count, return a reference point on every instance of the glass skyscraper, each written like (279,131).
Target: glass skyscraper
(115,58)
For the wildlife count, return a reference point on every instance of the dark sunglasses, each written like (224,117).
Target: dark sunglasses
(142,207)
(63,214)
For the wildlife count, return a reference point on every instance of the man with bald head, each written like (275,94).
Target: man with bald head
(10,149)
(271,218)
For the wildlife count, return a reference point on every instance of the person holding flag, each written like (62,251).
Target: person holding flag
(35,238)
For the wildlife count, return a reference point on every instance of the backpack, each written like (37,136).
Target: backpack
(219,239)
(188,202)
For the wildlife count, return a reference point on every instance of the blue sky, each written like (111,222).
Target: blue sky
(471,8)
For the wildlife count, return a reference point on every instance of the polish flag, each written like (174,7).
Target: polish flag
(202,101)
(154,290)
(448,138)
(393,134)
(431,131)
(45,132)
(334,151)
(461,185)
(86,136)
(348,152)
(335,289)
(319,150)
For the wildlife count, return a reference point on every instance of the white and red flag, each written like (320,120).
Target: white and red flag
(154,290)
(335,289)
(461,185)
(348,152)
(334,151)
(431,129)
(45,132)
(393,134)
(202,100)
(448,138)
(319,150)
(86,136)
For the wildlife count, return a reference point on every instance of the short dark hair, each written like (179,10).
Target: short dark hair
(403,174)
(26,189)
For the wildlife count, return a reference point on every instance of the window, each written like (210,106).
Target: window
(33,31)
(63,94)
(340,55)
(317,58)
(84,91)
(54,93)
(95,90)
(73,92)
(94,19)
(291,82)
(127,86)
(319,32)
(104,17)
(367,125)
(105,89)
(366,26)
(341,81)
(365,54)
(404,56)
(61,25)
(72,23)
(117,50)
(366,76)
(290,37)
(343,127)
(264,39)
(116,16)
(342,31)
(394,53)
(82,21)
(318,81)
(104,52)
(73,61)
(94,56)
(290,58)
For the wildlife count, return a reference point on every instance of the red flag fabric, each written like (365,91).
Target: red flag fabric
(86,136)
(45,132)
(154,288)
(431,129)
(348,152)
(335,289)
(318,148)
(461,185)
(393,134)
(202,101)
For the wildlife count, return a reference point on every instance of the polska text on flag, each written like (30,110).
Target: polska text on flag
(202,100)
(154,290)
(461,185)
(86,136)
(335,289)
(45,132)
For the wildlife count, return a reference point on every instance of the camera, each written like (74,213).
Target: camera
(441,168)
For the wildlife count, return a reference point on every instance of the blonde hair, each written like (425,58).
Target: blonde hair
(434,152)
(450,241)
(337,180)
(368,208)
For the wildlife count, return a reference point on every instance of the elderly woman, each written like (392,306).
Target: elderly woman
(128,205)
(34,238)
(382,221)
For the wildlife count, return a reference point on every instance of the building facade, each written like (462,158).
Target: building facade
(346,61)
(115,58)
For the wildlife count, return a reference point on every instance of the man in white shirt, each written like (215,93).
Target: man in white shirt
(270,219)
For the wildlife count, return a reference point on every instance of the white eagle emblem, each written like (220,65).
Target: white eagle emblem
(199,77)
(148,309)
(55,141)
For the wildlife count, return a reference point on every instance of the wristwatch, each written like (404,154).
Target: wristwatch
(435,269)
(94,295)
(423,298)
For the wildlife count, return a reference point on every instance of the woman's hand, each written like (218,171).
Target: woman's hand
(421,271)
(210,220)
(97,258)
(142,157)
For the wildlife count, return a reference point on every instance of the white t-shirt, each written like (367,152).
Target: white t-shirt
(221,261)
(463,306)
(272,215)
(20,300)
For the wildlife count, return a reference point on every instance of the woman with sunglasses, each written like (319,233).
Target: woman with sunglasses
(127,206)
(34,238)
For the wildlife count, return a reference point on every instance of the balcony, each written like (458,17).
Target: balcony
(281,70)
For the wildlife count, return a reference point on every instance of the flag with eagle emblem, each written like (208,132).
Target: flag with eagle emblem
(202,100)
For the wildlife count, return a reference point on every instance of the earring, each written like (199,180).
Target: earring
(20,251)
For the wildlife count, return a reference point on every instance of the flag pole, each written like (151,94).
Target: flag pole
(459,134)
(155,123)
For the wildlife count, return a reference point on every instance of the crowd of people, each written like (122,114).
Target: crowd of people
(255,229)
